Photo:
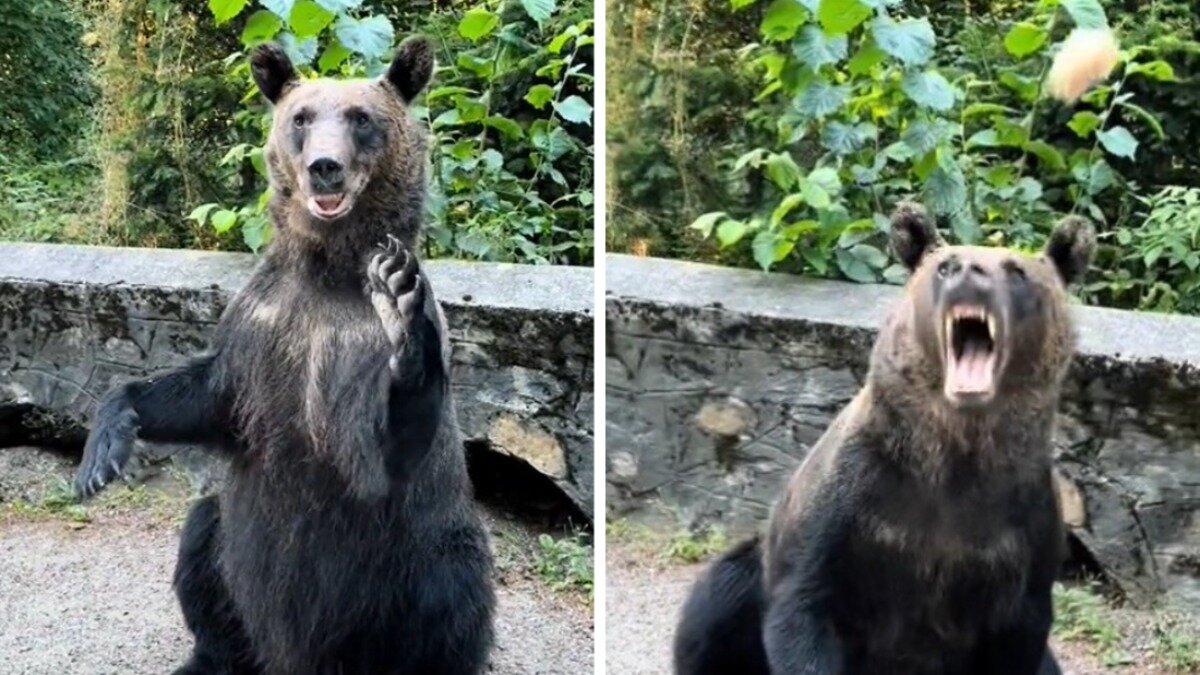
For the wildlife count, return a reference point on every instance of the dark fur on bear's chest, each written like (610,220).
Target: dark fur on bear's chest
(928,569)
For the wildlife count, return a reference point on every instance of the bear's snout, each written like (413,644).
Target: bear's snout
(327,175)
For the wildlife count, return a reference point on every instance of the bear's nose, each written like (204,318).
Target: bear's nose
(326,174)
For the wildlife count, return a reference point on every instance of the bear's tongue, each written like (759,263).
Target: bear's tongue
(328,203)
(970,352)
(971,371)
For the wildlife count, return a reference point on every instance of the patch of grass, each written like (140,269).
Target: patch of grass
(1082,615)
(692,547)
(1176,648)
(627,531)
(566,563)
(58,502)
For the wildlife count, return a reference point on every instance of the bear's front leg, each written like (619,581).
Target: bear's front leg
(398,295)
(418,383)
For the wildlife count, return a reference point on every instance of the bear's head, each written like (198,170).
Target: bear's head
(346,154)
(980,326)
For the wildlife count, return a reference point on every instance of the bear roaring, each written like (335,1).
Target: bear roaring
(921,534)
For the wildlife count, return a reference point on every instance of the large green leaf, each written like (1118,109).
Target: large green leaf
(965,226)
(1147,117)
(223,220)
(843,139)
(1118,141)
(1025,87)
(814,49)
(1024,39)
(984,138)
(509,128)
(821,98)
(854,267)
(866,58)
(372,37)
(977,109)
(333,57)
(781,20)
(301,52)
(782,170)
(224,10)
(538,10)
(574,109)
(340,6)
(477,23)
(281,8)
(839,17)
(816,196)
(256,232)
(827,178)
(731,232)
(539,95)
(785,207)
(911,40)
(770,247)
(1084,122)
(705,223)
(555,144)
(925,135)
(1099,178)
(1049,155)
(1155,70)
(1086,13)
(260,27)
(929,89)
(308,18)
(200,213)
(945,189)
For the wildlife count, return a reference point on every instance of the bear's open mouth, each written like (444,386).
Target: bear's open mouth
(970,352)
(328,207)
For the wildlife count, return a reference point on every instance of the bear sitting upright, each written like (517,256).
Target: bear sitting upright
(921,535)
(346,540)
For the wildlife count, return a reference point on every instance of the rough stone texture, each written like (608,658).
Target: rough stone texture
(74,321)
(720,380)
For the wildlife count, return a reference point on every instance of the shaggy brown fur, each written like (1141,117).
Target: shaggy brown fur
(921,533)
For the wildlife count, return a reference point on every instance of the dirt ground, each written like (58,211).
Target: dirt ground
(95,598)
(644,595)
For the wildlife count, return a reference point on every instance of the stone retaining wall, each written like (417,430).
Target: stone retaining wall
(720,380)
(75,320)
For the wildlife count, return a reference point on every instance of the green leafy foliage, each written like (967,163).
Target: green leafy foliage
(44,87)
(565,563)
(176,158)
(948,108)
(505,185)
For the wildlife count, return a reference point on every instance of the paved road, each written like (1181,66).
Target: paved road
(643,601)
(98,601)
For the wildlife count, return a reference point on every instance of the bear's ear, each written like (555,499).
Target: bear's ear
(913,234)
(272,70)
(412,66)
(1070,247)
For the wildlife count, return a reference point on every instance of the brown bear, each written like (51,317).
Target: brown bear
(346,539)
(921,534)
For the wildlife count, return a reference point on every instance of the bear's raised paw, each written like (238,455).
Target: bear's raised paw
(397,289)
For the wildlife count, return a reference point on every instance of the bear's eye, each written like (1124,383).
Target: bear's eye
(362,119)
(1015,271)
(943,270)
(298,119)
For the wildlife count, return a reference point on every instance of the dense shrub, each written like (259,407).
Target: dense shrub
(175,155)
(835,109)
